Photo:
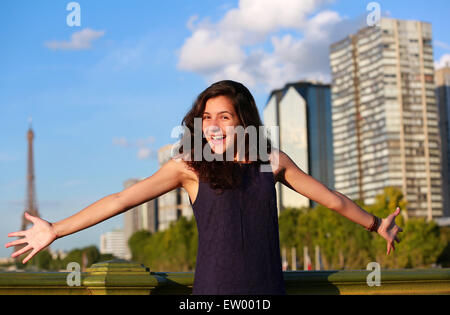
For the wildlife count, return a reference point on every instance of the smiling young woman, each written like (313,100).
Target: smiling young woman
(234,201)
(222,107)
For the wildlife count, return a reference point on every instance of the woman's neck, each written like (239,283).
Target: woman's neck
(241,162)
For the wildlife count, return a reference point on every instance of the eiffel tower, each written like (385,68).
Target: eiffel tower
(31,204)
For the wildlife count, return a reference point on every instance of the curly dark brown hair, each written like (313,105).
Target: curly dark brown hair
(220,173)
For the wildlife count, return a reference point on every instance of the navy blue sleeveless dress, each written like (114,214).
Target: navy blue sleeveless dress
(238,240)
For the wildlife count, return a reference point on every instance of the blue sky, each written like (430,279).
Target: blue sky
(102,102)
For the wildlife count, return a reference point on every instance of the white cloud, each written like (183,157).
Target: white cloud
(81,40)
(142,146)
(190,23)
(265,16)
(144,153)
(145,141)
(443,62)
(206,51)
(121,142)
(318,27)
(232,48)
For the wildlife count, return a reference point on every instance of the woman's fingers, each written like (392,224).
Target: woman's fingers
(392,230)
(390,247)
(19,233)
(392,216)
(30,218)
(21,251)
(16,242)
(33,252)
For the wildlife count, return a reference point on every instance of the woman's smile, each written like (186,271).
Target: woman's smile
(219,121)
(218,140)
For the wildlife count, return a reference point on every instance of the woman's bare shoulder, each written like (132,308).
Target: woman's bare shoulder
(185,170)
(277,160)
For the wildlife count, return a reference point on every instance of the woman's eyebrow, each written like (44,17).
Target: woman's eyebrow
(225,111)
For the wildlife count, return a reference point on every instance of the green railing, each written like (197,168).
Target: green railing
(123,277)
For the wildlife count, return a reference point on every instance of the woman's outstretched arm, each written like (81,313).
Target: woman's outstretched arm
(43,233)
(294,178)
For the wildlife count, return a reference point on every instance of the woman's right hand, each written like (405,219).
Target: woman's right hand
(39,236)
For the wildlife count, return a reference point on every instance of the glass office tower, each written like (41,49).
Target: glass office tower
(302,111)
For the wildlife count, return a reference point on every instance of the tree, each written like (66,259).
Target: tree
(444,256)
(42,260)
(346,245)
(137,242)
(174,249)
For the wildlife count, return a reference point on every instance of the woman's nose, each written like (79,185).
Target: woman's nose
(213,128)
(216,121)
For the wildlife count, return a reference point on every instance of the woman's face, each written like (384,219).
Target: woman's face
(219,119)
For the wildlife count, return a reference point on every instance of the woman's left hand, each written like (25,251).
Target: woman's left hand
(389,230)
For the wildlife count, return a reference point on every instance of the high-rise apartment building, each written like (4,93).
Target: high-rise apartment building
(173,204)
(302,112)
(141,217)
(113,242)
(385,115)
(443,97)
